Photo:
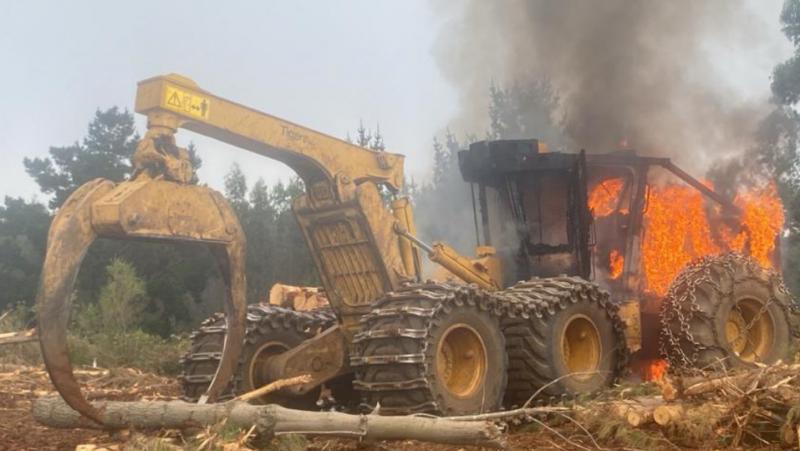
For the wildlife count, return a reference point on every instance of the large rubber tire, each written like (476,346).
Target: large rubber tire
(200,362)
(271,335)
(727,311)
(269,328)
(432,348)
(569,310)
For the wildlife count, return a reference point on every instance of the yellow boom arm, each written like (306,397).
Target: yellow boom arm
(175,101)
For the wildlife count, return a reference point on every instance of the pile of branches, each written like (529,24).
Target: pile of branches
(757,407)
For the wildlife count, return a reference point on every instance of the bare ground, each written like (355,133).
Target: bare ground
(20,385)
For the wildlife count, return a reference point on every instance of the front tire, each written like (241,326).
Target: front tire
(726,312)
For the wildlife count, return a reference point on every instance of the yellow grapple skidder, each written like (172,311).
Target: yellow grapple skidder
(411,345)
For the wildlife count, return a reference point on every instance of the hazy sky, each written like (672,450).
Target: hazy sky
(323,64)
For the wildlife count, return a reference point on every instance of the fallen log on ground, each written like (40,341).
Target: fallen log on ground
(23,336)
(269,419)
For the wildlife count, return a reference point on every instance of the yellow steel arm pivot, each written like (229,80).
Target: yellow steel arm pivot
(462,267)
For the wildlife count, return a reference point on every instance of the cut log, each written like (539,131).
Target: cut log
(668,413)
(24,336)
(639,416)
(297,298)
(269,419)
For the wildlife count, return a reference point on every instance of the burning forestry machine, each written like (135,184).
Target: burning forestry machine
(389,337)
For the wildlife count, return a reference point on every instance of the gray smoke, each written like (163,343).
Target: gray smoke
(641,71)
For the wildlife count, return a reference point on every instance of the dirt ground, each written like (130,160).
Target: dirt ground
(20,385)
(749,417)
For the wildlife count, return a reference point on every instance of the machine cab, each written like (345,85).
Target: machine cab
(533,206)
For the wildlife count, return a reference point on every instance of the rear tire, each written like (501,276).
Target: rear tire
(270,336)
(270,329)
(431,348)
(726,312)
(575,345)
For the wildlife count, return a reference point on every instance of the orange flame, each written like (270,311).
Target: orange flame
(615,262)
(763,217)
(604,197)
(678,230)
(656,370)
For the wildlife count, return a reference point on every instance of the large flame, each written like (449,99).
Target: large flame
(604,198)
(763,217)
(676,232)
(678,229)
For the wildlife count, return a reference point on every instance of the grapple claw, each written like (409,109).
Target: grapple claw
(148,209)
(70,236)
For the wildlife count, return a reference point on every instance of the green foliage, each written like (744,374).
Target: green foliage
(786,81)
(129,349)
(777,142)
(236,190)
(786,76)
(108,332)
(121,299)
(23,237)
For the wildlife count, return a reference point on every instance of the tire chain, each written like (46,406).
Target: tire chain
(525,300)
(547,295)
(258,316)
(681,305)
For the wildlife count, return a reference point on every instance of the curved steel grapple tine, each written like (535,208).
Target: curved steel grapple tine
(70,236)
(231,261)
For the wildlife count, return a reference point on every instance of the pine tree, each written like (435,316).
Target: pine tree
(377,140)
(363,136)
(236,190)
(441,162)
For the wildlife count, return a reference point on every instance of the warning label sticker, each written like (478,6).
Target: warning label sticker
(187,103)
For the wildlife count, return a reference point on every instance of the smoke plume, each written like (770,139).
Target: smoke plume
(637,71)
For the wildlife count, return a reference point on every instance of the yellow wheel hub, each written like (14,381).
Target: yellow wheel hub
(749,330)
(461,360)
(581,348)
